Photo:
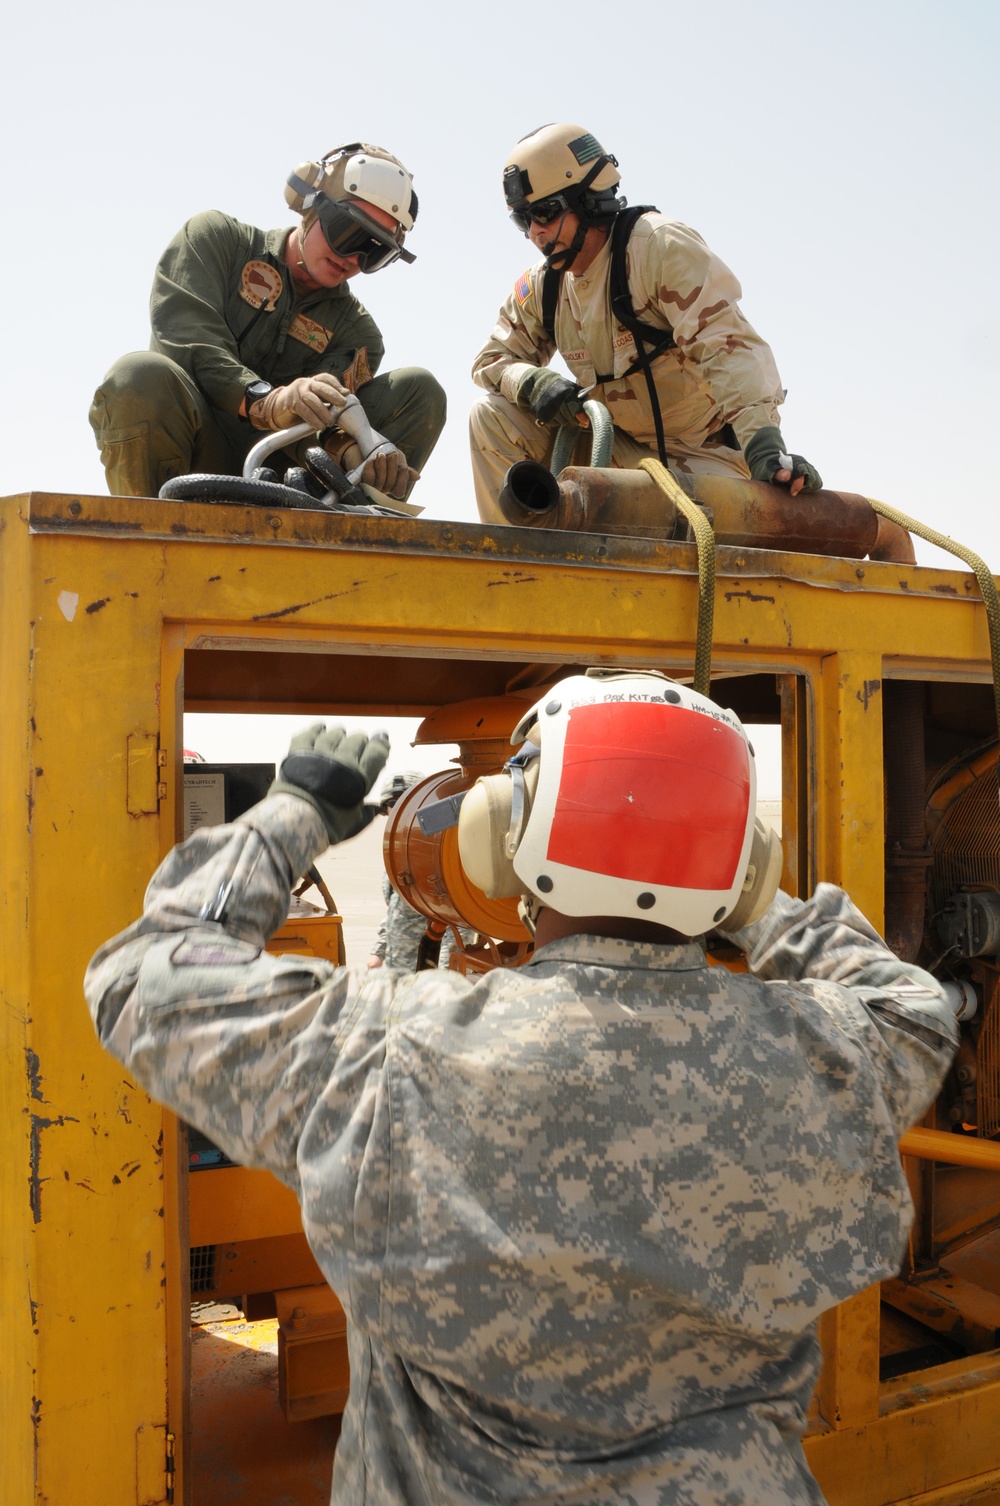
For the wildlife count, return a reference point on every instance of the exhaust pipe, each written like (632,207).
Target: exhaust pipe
(744,514)
(529,489)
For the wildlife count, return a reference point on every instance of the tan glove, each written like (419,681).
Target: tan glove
(387,471)
(306,400)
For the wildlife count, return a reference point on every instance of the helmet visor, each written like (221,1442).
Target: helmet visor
(350,232)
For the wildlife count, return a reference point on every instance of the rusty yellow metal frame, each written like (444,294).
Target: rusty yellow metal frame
(106,606)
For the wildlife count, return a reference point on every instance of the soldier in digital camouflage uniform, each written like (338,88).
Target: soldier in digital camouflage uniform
(257,330)
(403,928)
(716,384)
(582,1215)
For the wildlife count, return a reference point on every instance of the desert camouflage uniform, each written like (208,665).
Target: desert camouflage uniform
(582,1215)
(719,372)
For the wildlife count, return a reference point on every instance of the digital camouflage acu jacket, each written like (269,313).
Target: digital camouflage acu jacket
(583,1215)
(224,308)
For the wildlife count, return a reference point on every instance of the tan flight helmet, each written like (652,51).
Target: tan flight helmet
(564,163)
(355,171)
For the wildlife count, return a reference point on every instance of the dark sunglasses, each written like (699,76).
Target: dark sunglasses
(542,213)
(351,232)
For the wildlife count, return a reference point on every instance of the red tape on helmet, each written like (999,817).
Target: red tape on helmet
(642,787)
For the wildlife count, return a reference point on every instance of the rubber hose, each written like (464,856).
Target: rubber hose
(199,488)
(333,477)
(300,480)
(602,438)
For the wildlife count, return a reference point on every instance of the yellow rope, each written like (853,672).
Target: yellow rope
(705,541)
(987,585)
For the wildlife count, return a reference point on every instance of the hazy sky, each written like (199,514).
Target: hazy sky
(842,158)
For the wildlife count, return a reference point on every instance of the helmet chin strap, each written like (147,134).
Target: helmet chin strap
(563,260)
(528,908)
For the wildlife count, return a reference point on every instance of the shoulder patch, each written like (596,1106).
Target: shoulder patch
(522,288)
(260,283)
(316,336)
(213,954)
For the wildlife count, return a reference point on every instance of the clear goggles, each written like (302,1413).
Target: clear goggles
(350,232)
(541,213)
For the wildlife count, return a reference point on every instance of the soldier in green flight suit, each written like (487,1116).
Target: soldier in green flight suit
(257,330)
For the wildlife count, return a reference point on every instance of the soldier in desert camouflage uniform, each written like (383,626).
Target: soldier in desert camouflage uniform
(717,388)
(582,1215)
(258,330)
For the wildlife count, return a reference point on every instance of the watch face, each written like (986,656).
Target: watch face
(256,391)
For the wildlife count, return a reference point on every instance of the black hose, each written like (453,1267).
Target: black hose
(202,488)
(300,480)
(330,473)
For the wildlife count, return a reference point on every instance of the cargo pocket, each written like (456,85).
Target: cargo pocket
(126,461)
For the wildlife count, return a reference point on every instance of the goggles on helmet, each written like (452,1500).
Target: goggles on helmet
(542,213)
(350,232)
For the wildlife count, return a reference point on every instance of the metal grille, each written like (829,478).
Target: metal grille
(988,1067)
(202,1268)
(966,842)
(966,847)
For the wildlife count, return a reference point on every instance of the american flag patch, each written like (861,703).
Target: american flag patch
(522,289)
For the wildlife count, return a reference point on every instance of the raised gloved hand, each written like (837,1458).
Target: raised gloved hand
(386,470)
(768,460)
(306,400)
(552,398)
(334,771)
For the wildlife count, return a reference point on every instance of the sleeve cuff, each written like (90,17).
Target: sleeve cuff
(512,378)
(293,826)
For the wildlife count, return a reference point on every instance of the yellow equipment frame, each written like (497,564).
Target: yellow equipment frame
(117,614)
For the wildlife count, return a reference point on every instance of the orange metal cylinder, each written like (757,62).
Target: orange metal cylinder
(427,871)
(745,514)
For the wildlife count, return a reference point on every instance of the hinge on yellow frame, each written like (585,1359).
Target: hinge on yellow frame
(144,789)
(154,1465)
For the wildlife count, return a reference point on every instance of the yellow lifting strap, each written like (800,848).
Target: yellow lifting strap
(705,542)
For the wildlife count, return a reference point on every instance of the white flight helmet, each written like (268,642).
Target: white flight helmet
(356,171)
(336,190)
(631,796)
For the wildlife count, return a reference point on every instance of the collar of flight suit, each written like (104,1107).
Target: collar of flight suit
(614,951)
(274,241)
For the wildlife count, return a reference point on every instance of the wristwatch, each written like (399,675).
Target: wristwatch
(253,394)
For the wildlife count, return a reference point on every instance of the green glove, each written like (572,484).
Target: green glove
(550,397)
(334,772)
(765,455)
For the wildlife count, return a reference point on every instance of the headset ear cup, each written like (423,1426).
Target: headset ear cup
(483,824)
(303,181)
(763,877)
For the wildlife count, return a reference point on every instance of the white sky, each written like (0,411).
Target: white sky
(842,158)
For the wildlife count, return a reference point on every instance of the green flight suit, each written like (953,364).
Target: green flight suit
(224,313)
